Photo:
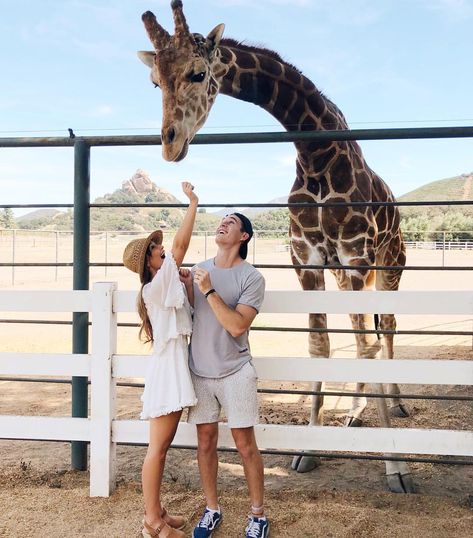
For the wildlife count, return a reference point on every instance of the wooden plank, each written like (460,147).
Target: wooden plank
(103,392)
(323,438)
(45,301)
(46,364)
(125,301)
(129,365)
(338,302)
(44,428)
(410,371)
(413,371)
(369,302)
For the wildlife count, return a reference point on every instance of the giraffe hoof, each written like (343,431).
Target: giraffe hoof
(400,483)
(399,411)
(304,464)
(353,422)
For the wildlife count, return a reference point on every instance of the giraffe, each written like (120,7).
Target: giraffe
(191,71)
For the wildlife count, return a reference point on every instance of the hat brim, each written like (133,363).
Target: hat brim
(156,237)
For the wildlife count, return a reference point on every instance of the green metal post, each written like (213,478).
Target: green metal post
(80,320)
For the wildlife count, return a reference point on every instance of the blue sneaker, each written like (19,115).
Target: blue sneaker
(258,527)
(209,522)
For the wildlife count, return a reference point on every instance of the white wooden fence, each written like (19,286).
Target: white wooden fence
(103,366)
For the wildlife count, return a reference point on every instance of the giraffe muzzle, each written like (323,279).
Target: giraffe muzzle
(175,152)
(175,143)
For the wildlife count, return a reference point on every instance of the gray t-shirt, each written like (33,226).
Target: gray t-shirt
(214,352)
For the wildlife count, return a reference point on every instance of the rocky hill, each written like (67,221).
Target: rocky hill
(140,185)
(139,189)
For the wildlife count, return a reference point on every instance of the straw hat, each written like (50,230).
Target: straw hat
(134,255)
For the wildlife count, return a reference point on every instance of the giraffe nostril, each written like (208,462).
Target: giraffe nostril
(171,135)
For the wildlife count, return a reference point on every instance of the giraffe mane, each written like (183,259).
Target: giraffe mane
(229,42)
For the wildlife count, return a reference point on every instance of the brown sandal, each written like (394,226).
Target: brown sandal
(176,522)
(149,532)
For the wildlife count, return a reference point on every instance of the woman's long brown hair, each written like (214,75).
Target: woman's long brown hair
(146,330)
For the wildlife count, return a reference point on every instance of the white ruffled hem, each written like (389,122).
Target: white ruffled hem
(166,411)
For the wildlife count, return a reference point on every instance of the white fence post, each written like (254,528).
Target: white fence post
(103,391)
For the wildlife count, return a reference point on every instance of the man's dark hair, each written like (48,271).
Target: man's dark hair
(248,228)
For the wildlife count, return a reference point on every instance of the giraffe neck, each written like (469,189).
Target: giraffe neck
(325,170)
(261,77)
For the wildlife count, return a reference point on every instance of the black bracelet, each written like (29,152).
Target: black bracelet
(211,290)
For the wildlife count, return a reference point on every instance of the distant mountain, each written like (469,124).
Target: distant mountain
(457,188)
(140,189)
(452,188)
(39,214)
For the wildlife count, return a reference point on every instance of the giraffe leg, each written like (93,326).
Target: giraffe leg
(367,346)
(358,405)
(389,280)
(398,474)
(398,408)
(306,463)
(319,346)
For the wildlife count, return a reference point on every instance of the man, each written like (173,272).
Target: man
(228,294)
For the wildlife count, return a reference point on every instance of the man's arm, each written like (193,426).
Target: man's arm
(236,321)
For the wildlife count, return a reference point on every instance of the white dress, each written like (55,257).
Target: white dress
(168,384)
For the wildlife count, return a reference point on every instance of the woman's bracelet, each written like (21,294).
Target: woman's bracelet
(211,290)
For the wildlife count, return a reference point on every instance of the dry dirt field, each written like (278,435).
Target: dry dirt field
(40,496)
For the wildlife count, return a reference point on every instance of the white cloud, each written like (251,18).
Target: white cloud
(346,12)
(102,110)
(287,160)
(103,50)
(453,9)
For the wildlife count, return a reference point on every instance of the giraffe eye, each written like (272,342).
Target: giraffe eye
(197,77)
(155,85)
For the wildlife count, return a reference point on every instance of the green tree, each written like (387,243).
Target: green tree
(276,220)
(458,226)
(7,218)
(415,228)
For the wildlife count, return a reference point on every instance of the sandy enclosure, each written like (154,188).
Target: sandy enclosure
(343,498)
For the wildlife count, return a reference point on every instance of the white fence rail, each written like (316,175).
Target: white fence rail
(103,366)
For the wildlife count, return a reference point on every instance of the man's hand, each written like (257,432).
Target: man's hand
(202,278)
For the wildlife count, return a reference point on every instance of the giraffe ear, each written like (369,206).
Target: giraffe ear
(147,57)
(214,37)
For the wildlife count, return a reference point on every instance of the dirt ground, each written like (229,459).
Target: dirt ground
(342,498)
(41,496)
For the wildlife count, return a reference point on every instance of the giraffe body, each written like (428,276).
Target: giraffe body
(191,70)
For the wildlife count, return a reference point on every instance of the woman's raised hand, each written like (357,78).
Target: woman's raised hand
(188,190)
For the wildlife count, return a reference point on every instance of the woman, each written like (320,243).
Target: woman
(164,308)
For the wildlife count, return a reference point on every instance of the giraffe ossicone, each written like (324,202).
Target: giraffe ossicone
(191,71)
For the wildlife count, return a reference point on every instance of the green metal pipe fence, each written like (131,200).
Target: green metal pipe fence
(82,206)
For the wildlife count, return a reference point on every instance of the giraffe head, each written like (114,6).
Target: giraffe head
(182,65)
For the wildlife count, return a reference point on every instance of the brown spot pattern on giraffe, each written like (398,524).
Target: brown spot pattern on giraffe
(326,170)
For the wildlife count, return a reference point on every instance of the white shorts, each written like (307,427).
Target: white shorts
(235,393)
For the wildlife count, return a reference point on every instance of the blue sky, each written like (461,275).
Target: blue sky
(385,63)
